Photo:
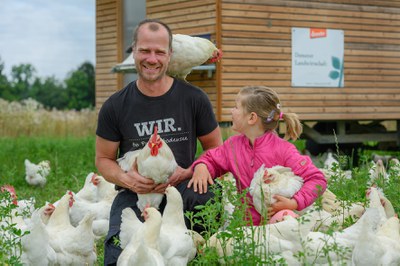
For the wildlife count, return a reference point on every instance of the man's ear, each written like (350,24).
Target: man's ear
(253,118)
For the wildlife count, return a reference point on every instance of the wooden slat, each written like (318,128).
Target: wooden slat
(366,2)
(198,19)
(256,17)
(166,6)
(317,90)
(329,97)
(186,12)
(337,6)
(226,116)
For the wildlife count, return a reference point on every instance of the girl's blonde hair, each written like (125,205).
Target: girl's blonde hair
(265,103)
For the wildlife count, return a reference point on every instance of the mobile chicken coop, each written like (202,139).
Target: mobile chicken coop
(257,39)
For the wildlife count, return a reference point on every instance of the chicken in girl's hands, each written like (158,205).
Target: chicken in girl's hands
(155,161)
(268,182)
(188,52)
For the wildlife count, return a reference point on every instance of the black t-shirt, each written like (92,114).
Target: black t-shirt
(181,115)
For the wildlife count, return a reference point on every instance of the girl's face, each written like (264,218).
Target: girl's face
(239,116)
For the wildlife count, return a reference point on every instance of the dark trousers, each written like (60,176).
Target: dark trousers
(126,198)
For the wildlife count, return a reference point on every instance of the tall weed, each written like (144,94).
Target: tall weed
(30,118)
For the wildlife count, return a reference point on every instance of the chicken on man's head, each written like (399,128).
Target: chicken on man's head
(154,143)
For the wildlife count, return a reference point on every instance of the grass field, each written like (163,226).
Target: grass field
(71,160)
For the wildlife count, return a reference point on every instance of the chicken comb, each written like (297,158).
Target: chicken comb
(8,188)
(93,179)
(154,137)
(11,190)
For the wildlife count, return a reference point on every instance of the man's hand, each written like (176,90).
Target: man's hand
(137,183)
(180,174)
(200,179)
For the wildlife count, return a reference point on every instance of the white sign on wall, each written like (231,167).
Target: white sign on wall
(317,57)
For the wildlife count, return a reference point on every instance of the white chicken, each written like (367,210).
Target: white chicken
(176,243)
(36,173)
(321,248)
(96,188)
(46,211)
(36,249)
(394,167)
(330,161)
(376,248)
(188,52)
(325,220)
(391,229)
(89,190)
(377,172)
(104,189)
(387,205)
(281,237)
(328,170)
(21,210)
(267,182)
(140,241)
(99,204)
(155,161)
(334,211)
(383,241)
(73,245)
(375,201)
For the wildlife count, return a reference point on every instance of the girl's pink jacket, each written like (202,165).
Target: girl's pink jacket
(237,156)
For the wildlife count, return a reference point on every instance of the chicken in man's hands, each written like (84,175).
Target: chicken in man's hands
(154,163)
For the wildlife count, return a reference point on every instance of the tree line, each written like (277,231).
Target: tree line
(77,91)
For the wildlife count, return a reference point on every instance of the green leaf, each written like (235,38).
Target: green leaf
(334,74)
(336,62)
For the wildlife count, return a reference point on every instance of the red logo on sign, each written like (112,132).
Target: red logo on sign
(317,33)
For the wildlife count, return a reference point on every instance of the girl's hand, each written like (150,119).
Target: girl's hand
(200,179)
(281,204)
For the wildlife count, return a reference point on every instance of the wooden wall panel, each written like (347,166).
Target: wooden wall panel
(256,40)
(255,36)
(108,48)
(208,84)
(185,16)
(192,18)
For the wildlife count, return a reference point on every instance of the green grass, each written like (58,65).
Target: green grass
(71,159)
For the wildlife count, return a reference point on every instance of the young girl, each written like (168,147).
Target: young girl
(256,116)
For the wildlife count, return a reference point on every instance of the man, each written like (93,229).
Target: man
(181,112)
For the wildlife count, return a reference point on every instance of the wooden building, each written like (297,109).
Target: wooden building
(255,36)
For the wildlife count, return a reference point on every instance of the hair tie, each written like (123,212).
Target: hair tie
(270,117)
(281,116)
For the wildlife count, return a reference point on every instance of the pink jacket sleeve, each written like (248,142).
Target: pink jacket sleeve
(314,180)
(216,160)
